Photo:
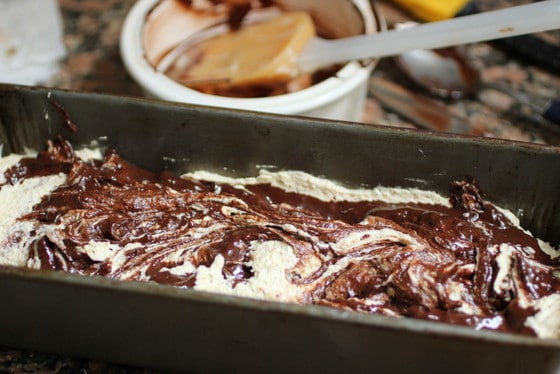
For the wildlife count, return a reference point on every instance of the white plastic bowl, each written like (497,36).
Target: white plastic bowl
(339,97)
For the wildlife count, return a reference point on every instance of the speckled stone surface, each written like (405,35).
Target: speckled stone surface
(91,35)
(93,64)
(496,67)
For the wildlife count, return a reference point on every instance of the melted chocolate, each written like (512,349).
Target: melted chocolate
(237,10)
(162,221)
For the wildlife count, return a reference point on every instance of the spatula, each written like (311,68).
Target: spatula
(303,52)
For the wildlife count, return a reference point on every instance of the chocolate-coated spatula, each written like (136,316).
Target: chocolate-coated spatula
(303,52)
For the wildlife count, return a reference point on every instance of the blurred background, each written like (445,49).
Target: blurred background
(518,79)
(91,36)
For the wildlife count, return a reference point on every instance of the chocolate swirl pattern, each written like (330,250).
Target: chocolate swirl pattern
(460,261)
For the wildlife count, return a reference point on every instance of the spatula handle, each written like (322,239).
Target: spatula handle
(501,23)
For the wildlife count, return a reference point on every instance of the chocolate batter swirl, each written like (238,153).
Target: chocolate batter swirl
(465,263)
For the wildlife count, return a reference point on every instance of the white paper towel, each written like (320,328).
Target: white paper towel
(31,43)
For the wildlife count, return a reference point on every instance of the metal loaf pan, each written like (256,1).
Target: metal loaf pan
(182,330)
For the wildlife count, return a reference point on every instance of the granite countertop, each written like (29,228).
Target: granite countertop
(93,64)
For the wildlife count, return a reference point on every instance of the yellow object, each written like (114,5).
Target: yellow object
(432,10)
(255,53)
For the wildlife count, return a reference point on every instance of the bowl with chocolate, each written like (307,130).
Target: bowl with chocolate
(155,33)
